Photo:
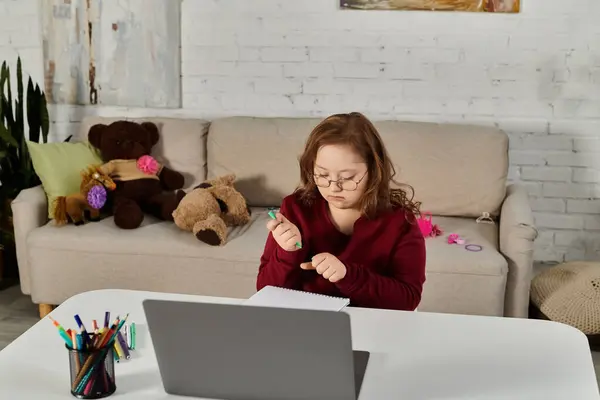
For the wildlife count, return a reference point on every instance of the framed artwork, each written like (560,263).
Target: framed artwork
(117,53)
(491,6)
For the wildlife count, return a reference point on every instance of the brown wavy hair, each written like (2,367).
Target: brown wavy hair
(355,130)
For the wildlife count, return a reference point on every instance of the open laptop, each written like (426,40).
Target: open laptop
(237,352)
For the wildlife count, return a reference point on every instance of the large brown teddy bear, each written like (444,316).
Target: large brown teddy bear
(210,208)
(143,184)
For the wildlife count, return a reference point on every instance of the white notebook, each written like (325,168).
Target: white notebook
(271,296)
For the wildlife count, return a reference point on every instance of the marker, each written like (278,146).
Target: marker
(119,350)
(126,336)
(132,328)
(272,215)
(75,341)
(123,345)
(106,319)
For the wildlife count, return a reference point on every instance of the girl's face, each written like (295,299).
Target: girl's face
(340,175)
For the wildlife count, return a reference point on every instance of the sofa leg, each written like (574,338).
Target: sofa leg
(45,309)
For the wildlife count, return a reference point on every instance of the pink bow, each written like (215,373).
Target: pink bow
(455,238)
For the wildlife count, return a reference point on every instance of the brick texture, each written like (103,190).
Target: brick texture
(535,74)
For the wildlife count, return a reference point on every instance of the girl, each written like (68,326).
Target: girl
(344,231)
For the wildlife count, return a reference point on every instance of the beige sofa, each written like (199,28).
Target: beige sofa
(458,172)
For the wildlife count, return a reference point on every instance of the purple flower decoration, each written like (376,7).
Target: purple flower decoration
(97,197)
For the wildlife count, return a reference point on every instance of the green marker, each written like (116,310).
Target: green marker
(272,215)
(132,335)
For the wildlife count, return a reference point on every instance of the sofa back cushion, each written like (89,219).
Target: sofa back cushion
(455,170)
(182,144)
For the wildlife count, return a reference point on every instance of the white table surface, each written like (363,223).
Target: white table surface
(413,355)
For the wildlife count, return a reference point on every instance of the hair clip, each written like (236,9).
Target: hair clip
(455,238)
(485,218)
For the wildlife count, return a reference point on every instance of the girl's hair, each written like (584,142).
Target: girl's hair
(357,131)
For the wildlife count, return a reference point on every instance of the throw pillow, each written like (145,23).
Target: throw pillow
(59,166)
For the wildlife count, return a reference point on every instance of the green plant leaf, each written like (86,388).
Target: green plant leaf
(45,118)
(33,118)
(10,119)
(7,137)
(19,120)
(2,82)
(16,169)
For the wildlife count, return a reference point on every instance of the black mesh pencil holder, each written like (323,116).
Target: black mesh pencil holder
(92,373)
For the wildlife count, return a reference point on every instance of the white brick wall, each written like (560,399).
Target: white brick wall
(536,75)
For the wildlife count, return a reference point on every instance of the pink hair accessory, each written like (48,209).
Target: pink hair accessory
(148,165)
(455,238)
(425,224)
(428,229)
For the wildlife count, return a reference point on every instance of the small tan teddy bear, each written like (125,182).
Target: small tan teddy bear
(210,208)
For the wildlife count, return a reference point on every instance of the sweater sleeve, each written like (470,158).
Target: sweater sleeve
(402,285)
(279,267)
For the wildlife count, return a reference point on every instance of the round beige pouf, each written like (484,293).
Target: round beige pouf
(570,293)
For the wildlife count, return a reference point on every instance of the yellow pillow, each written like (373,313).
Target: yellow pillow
(59,166)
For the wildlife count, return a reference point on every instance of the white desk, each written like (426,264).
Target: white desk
(414,355)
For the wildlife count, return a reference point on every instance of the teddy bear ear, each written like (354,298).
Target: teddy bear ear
(95,134)
(153,130)
(228,179)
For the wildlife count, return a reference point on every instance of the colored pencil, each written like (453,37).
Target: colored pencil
(91,348)
(68,339)
(93,362)
(84,334)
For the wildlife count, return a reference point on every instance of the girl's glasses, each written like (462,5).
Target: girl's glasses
(346,184)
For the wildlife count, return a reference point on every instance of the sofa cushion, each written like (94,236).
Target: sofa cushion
(182,144)
(456,170)
(158,256)
(447,258)
(155,238)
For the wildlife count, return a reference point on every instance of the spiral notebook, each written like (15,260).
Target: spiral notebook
(272,296)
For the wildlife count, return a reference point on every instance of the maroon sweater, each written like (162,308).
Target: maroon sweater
(384,257)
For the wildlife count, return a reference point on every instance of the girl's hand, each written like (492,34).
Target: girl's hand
(284,232)
(328,266)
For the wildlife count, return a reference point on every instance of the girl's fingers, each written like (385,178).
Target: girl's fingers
(292,241)
(272,225)
(306,265)
(282,229)
(328,273)
(321,268)
(319,258)
(281,218)
(289,235)
(334,278)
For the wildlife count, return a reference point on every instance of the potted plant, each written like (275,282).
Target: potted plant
(16,169)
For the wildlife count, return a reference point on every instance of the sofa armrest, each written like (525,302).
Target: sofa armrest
(517,235)
(30,211)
